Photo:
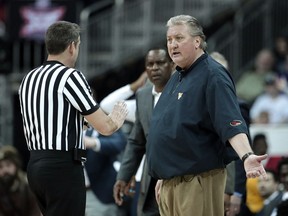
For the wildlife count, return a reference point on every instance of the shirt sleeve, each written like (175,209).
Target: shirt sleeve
(122,93)
(78,93)
(223,107)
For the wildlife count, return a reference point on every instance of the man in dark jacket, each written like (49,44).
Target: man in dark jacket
(159,68)
(102,166)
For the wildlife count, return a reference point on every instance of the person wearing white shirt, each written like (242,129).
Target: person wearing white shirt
(271,106)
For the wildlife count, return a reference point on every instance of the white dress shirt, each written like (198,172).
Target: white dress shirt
(122,93)
(140,169)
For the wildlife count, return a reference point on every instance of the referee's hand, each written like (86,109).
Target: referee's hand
(119,113)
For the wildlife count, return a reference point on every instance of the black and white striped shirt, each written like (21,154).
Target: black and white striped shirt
(53,100)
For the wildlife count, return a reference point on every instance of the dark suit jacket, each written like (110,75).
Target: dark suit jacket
(136,146)
(268,208)
(99,165)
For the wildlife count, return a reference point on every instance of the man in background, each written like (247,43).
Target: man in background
(269,190)
(16,198)
(158,68)
(101,167)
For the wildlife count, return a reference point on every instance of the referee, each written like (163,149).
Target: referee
(54,100)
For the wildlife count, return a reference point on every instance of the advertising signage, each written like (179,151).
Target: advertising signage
(30,19)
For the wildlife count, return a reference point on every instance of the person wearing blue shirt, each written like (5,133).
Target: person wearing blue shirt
(101,168)
(196,120)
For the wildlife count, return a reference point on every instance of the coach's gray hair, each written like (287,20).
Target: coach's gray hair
(193,24)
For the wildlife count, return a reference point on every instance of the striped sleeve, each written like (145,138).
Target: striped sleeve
(78,93)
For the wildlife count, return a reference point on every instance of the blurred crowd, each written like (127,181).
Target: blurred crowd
(264,87)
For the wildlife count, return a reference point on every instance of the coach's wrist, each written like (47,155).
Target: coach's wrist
(245,156)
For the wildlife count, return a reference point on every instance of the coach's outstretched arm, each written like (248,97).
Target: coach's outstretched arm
(252,162)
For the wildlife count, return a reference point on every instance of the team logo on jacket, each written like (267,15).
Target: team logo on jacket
(180,95)
(235,123)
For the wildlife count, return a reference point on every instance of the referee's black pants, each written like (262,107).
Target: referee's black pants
(58,183)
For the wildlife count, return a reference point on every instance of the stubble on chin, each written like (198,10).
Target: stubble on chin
(8,180)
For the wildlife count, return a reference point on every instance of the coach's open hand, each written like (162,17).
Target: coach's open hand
(253,166)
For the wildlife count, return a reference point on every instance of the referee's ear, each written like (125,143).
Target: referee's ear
(71,48)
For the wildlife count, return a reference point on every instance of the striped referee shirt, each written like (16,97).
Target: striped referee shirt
(53,100)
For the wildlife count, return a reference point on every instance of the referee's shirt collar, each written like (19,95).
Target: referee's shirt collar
(53,62)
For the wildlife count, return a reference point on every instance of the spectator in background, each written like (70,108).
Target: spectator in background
(282,209)
(281,61)
(283,178)
(269,190)
(260,144)
(102,165)
(280,52)
(283,75)
(283,173)
(284,72)
(127,93)
(16,198)
(251,83)
(271,107)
